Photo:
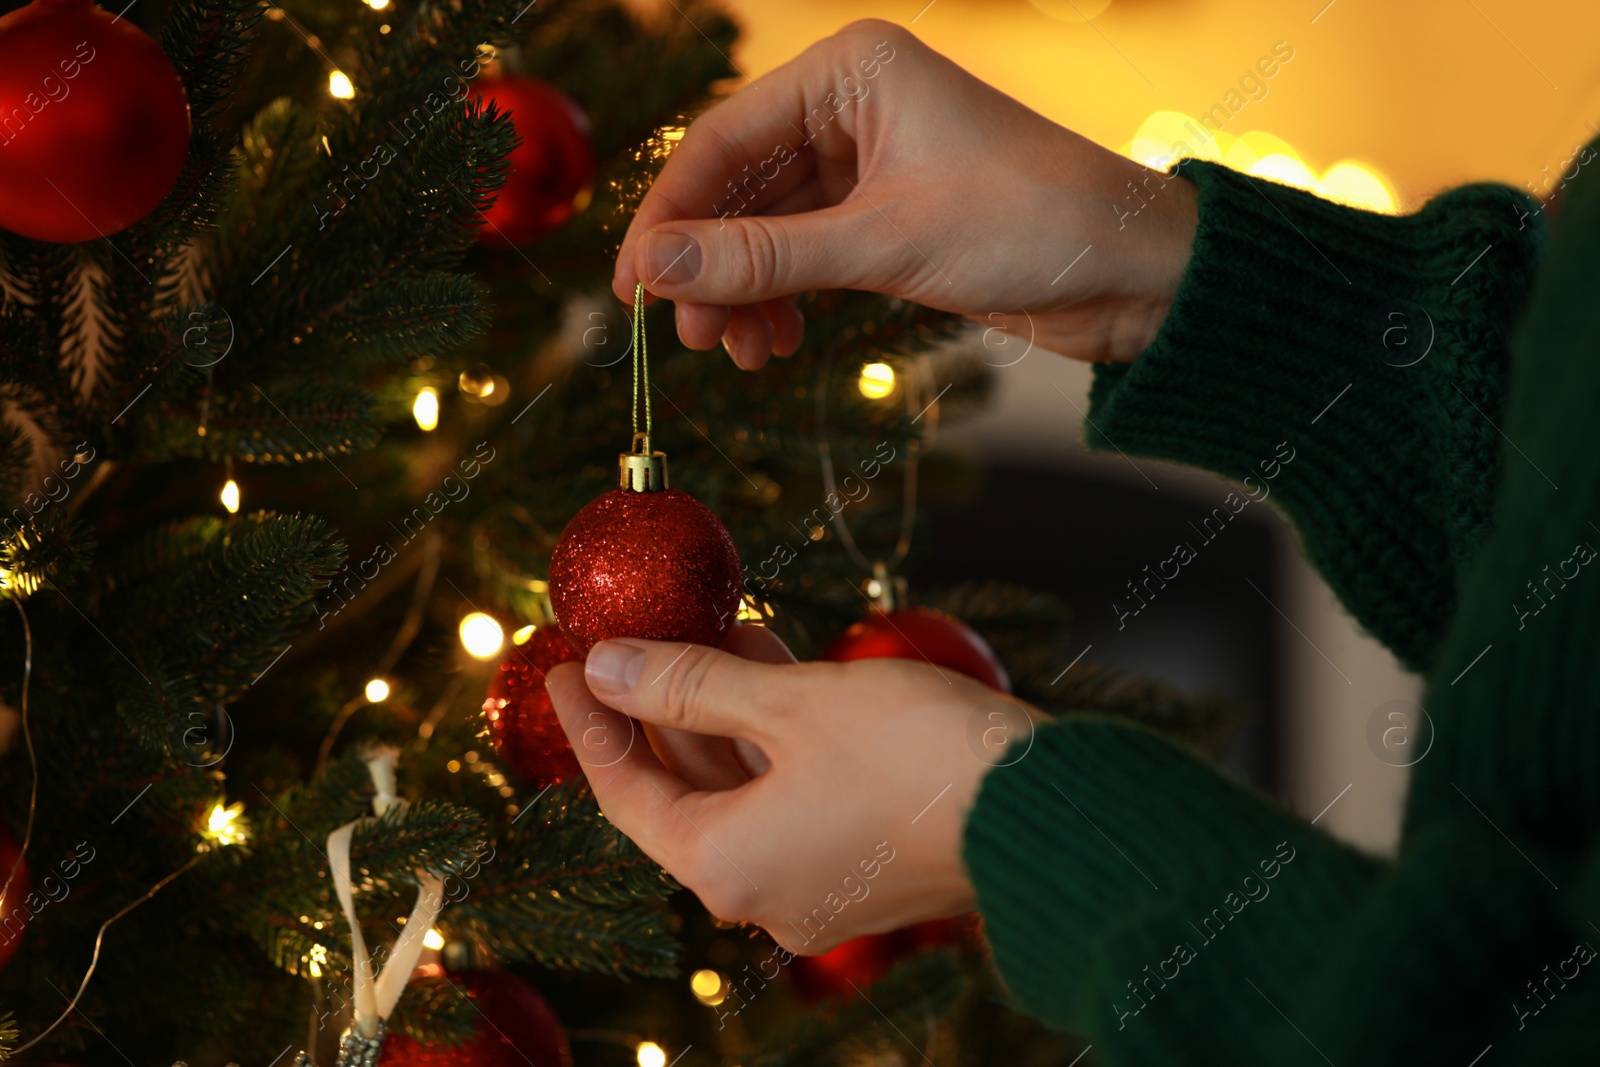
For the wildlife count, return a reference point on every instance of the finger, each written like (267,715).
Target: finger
(707,763)
(758,644)
(692,687)
(749,336)
(635,791)
(788,325)
(747,260)
(725,162)
(701,326)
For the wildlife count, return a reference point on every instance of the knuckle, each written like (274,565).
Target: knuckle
(758,266)
(683,684)
(871,31)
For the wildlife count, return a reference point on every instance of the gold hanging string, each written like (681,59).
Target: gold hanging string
(641,364)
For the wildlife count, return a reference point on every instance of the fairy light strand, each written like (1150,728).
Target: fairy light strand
(908,506)
(99,939)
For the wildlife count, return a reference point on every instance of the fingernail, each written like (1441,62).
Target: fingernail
(614,667)
(673,258)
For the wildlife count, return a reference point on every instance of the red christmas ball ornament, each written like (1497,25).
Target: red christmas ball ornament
(551,169)
(839,972)
(645,561)
(864,960)
(515,1027)
(14,914)
(923,634)
(522,721)
(94,125)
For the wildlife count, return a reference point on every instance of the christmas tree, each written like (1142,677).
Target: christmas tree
(283,465)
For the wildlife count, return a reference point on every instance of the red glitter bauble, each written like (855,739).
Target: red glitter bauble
(522,721)
(657,565)
(13,915)
(925,634)
(550,170)
(94,126)
(515,1027)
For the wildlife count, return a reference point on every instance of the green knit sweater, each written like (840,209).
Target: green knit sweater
(1134,895)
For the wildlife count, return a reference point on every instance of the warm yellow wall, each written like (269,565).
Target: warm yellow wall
(1428,91)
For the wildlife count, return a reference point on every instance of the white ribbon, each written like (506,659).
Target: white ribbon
(376,993)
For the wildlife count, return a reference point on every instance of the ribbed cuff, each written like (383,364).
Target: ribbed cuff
(1282,363)
(1106,848)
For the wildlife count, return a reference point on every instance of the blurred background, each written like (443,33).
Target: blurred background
(1379,105)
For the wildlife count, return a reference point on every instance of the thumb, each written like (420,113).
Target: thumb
(692,687)
(744,261)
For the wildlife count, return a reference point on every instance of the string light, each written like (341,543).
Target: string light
(315,958)
(481,635)
(339,85)
(1167,135)
(230,496)
(223,826)
(433,938)
(708,987)
(650,1054)
(377,691)
(425,409)
(522,635)
(877,381)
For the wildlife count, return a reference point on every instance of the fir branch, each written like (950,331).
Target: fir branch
(208,42)
(905,1001)
(228,613)
(438,837)
(9,1034)
(1203,722)
(47,549)
(294,423)
(411,317)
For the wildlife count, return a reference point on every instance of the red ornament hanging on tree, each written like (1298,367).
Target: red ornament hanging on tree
(550,170)
(515,1027)
(922,634)
(13,912)
(94,125)
(643,560)
(861,961)
(522,721)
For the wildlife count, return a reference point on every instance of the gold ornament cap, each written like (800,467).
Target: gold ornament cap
(642,470)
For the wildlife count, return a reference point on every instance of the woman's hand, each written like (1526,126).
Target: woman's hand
(872,162)
(819,800)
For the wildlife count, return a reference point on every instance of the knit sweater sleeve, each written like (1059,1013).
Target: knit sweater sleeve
(1354,364)
(1370,349)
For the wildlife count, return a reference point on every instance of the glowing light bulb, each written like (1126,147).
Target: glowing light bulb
(377,5)
(433,938)
(339,85)
(650,1054)
(377,690)
(425,409)
(481,635)
(522,635)
(230,497)
(877,381)
(1351,183)
(707,987)
(223,825)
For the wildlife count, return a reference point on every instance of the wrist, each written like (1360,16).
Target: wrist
(1157,257)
